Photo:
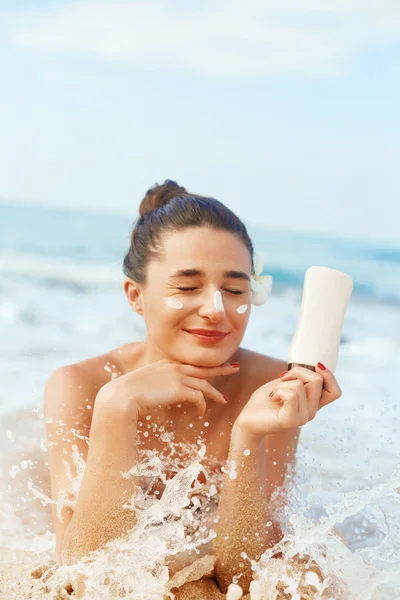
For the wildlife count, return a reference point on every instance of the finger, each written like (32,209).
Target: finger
(303,407)
(205,372)
(196,397)
(288,414)
(305,375)
(206,388)
(313,384)
(331,389)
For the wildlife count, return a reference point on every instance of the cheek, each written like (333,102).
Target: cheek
(173,303)
(163,314)
(238,306)
(242,309)
(172,311)
(238,310)
(241,316)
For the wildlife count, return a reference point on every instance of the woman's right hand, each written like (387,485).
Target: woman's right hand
(164,383)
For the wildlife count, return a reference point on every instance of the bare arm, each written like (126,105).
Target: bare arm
(244,508)
(274,413)
(99,516)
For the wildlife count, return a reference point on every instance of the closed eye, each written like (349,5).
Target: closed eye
(237,292)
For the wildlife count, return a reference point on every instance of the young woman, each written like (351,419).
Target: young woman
(189,275)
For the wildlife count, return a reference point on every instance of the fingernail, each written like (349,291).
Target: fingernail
(235,365)
(321,366)
(226,398)
(284,373)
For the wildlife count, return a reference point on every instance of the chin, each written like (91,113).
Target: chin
(207,357)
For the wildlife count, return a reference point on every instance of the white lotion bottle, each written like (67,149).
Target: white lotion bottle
(326,294)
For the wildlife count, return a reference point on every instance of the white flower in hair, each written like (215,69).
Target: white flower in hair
(261,285)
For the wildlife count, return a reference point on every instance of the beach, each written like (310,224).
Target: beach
(61,301)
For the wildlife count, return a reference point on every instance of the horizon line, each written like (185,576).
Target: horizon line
(33,203)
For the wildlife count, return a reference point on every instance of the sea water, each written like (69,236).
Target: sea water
(61,301)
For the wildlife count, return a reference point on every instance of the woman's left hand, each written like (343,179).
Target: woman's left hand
(288,402)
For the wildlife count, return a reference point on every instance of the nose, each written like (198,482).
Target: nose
(213,307)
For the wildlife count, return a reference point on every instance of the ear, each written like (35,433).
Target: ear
(133,292)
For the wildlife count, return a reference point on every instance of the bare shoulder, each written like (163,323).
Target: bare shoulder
(69,391)
(99,370)
(82,375)
(68,386)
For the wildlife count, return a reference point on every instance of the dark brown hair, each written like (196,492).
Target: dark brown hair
(169,207)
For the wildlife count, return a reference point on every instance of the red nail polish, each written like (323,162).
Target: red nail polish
(321,366)
(235,365)
(284,373)
(226,398)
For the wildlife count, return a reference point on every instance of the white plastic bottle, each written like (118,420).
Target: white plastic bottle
(326,293)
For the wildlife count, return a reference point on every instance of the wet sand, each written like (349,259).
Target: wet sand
(20,574)
(23,576)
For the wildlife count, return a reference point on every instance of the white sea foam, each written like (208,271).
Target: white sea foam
(60,270)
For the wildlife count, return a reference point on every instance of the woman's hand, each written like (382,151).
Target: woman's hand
(164,383)
(288,402)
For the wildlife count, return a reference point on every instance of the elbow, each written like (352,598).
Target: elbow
(76,546)
(71,551)
(225,574)
(67,554)
(65,548)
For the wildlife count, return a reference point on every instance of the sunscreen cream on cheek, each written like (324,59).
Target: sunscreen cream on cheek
(243,308)
(174,303)
(326,293)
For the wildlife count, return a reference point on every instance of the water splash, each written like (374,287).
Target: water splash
(352,548)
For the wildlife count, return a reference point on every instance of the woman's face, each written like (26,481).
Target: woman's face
(199,282)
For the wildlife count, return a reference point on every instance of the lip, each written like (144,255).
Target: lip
(207,335)
(209,332)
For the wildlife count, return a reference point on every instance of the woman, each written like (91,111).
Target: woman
(189,275)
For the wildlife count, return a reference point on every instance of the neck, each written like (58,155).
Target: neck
(149,354)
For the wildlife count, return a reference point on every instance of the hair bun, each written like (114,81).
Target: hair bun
(159,195)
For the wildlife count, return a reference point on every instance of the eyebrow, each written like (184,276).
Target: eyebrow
(198,273)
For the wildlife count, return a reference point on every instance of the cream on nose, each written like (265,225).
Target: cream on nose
(218,302)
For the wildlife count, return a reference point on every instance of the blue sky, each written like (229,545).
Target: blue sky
(285,110)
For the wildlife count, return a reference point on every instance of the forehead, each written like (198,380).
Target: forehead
(206,248)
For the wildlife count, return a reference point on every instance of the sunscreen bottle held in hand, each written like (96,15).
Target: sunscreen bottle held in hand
(326,293)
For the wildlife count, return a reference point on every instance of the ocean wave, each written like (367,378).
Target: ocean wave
(81,276)
(60,272)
